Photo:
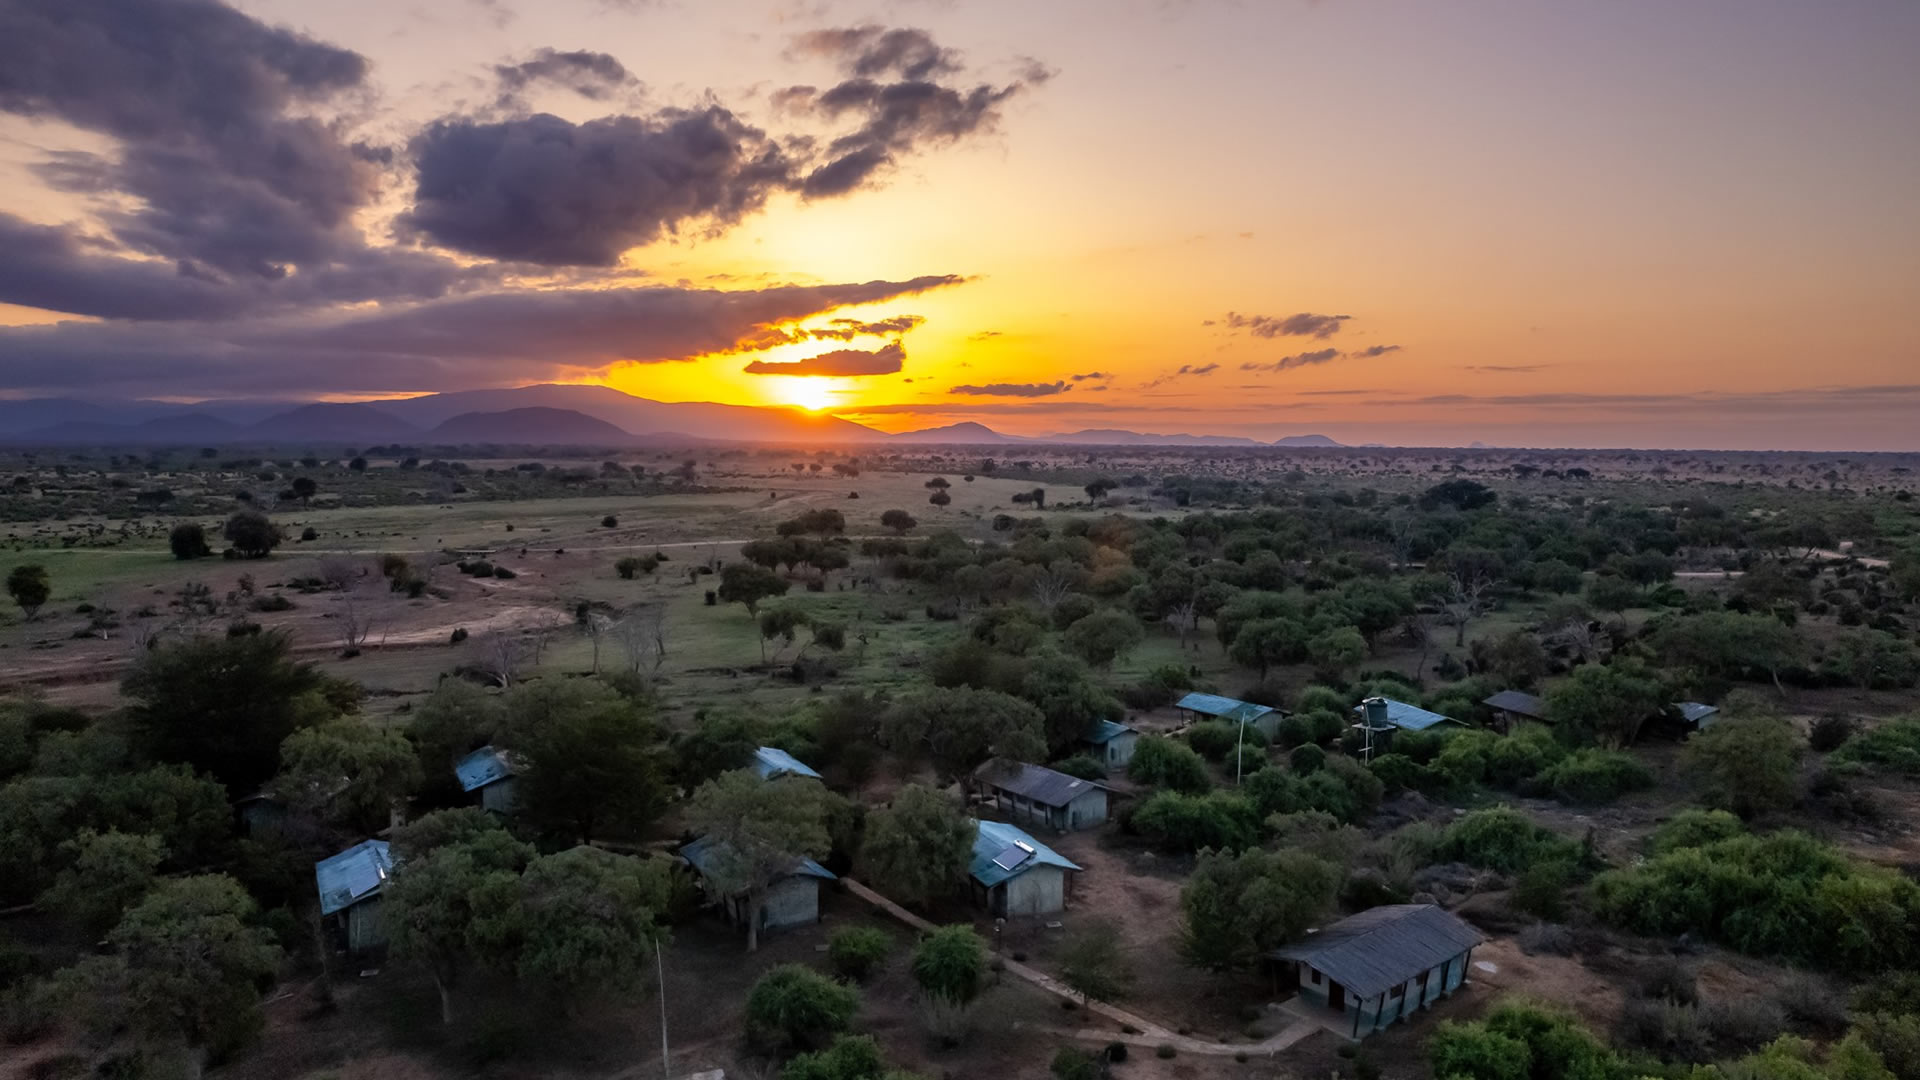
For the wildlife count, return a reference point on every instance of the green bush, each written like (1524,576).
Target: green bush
(1785,895)
(1694,828)
(1541,890)
(1072,1064)
(1322,697)
(951,963)
(1591,777)
(1084,766)
(1504,839)
(1522,1041)
(1306,760)
(1894,746)
(1517,758)
(855,951)
(792,1005)
(1216,739)
(1182,823)
(1400,772)
(1162,762)
(851,1057)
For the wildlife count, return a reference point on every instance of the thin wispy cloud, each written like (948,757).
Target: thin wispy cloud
(1025,390)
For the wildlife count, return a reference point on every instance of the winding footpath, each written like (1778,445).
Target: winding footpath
(1137,1030)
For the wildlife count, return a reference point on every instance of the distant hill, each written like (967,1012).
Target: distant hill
(186,429)
(1306,440)
(336,422)
(1117,437)
(531,426)
(637,415)
(966,432)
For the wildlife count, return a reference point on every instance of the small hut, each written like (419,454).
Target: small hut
(1014,874)
(1384,964)
(350,884)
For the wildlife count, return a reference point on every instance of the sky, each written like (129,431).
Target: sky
(1518,222)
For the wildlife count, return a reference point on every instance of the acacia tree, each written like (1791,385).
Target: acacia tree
(589,920)
(185,973)
(450,904)
(30,588)
(747,584)
(899,521)
(252,535)
(1103,636)
(1749,764)
(961,728)
(592,757)
(1605,703)
(1094,962)
(919,845)
(188,541)
(758,830)
(346,771)
(1235,908)
(1471,574)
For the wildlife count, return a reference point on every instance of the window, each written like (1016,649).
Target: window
(1316,976)
(1396,991)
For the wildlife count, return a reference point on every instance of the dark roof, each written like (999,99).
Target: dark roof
(1515,701)
(703,853)
(1382,947)
(1224,708)
(1037,782)
(1405,716)
(1002,852)
(1105,731)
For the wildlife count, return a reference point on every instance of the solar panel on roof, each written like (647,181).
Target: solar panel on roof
(1013,856)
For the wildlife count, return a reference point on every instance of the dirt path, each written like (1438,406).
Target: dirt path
(1147,1033)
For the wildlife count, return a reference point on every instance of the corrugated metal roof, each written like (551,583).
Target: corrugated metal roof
(353,875)
(1694,712)
(701,853)
(1381,948)
(482,767)
(1037,782)
(992,839)
(1224,707)
(1105,731)
(771,763)
(1515,701)
(1408,717)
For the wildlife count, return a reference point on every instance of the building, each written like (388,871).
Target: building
(1111,743)
(773,764)
(1694,716)
(1264,719)
(1014,874)
(260,813)
(1512,707)
(793,900)
(490,772)
(349,884)
(1039,795)
(1371,969)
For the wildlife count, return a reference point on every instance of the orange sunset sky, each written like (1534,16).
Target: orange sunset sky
(1621,223)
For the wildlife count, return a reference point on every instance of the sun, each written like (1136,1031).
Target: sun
(809,394)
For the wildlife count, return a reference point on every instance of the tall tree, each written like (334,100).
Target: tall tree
(1095,963)
(30,588)
(1748,764)
(346,771)
(453,901)
(960,729)
(186,970)
(1605,703)
(1237,907)
(224,705)
(746,584)
(919,845)
(590,920)
(592,757)
(759,829)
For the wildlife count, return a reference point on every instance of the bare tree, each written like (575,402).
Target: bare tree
(1050,588)
(643,634)
(504,655)
(1184,617)
(340,573)
(357,621)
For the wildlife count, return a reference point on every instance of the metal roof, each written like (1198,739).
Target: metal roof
(353,875)
(1225,707)
(701,854)
(1515,701)
(1036,782)
(1381,948)
(1408,717)
(1105,731)
(1002,852)
(482,767)
(1694,712)
(771,763)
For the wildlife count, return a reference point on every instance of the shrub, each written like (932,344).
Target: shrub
(950,963)
(188,541)
(1504,839)
(1164,1050)
(309,534)
(1217,739)
(1894,746)
(851,1057)
(1181,823)
(1829,732)
(1518,757)
(1551,939)
(1084,766)
(1785,895)
(792,1005)
(501,573)
(271,602)
(1751,764)
(1072,1064)
(855,951)
(1744,1022)
(1694,828)
(609,522)
(1163,762)
(1306,760)
(1590,777)
(1541,890)
(1522,1041)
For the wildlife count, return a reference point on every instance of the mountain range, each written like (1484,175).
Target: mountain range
(547,414)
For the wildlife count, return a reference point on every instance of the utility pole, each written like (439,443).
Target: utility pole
(660,966)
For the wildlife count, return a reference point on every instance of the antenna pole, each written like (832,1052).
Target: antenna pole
(660,966)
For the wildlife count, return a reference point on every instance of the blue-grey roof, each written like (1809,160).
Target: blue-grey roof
(1409,717)
(482,767)
(701,854)
(1382,947)
(1519,703)
(1105,731)
(772,763)
(353,875)
(1694,712)
(1048,787)
(1224,707)
(1002,853)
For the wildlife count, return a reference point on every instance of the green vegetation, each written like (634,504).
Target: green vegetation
(1893,746)
(1235,908)
(856,951)
(793,1005)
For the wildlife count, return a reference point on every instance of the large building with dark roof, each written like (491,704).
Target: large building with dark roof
(1386,963)
(1043,796)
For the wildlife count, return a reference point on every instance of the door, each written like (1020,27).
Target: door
(1336,996)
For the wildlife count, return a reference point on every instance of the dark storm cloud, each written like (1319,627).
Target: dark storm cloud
(867,51)
(887,360)
(595,76)
(1303,324)
(895,95)
(1002,389)
(1297,360)
(546,190)
(211,167)
(484,340)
